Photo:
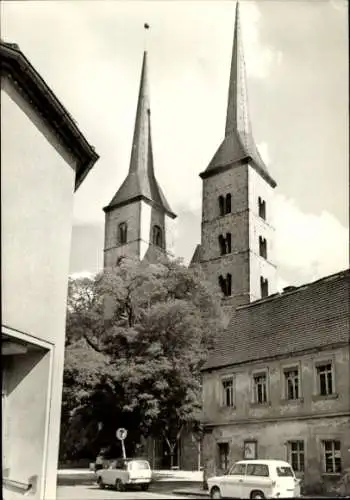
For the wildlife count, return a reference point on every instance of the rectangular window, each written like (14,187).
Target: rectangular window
(223,456)
(325,379)
(296,455)
(260,388)
(228,392)
(331,457)
(291,380)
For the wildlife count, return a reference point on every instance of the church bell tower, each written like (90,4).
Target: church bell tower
(138,219)
(236,251)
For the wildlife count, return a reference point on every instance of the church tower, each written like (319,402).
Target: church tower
(138,219)
(236,251)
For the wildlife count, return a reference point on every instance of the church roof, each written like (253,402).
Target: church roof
(141,182)
(238,144)
(307,317)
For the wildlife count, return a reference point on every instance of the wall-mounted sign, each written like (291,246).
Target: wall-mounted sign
(250,450)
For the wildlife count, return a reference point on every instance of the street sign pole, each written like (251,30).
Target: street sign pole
(123,448)
(121,435)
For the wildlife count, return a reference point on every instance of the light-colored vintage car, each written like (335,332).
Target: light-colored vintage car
(256,479)
(122,473)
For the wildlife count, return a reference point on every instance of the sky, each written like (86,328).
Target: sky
(296,53)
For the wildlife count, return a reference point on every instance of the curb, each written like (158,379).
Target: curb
(194,492)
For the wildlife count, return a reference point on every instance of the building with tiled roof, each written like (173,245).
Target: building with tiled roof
(277,383)
(322,308)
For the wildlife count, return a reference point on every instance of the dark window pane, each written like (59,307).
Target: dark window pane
(328,446)
(329,383)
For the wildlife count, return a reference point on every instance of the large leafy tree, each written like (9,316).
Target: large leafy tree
(137,335)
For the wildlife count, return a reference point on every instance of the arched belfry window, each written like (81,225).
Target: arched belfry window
(228,204)
(262,247)
(264,287)
(225,244)
(226,284)
(122,233)
(221,205)
(225,204)
(157,236)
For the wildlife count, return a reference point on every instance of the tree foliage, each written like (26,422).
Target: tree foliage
(136,338)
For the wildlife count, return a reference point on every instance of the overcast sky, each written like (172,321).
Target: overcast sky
(90,54)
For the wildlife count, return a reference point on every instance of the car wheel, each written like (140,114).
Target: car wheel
(215,493)
(119,485)
(257,494)
(144,487)
(100,482)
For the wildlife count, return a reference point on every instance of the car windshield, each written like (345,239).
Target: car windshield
(283,471)
(138,465)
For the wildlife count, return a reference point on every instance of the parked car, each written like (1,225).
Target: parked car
(122,473)
(256,479)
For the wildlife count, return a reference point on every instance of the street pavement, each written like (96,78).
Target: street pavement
(92,492)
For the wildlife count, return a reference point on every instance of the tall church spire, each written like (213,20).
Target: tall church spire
(238,144)
(140,182)
(237,117)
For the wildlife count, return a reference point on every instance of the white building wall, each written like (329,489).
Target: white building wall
(37,185)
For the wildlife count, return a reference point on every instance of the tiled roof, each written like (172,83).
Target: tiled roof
(310,316)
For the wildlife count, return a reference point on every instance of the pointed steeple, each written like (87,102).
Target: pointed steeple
(237,117)
(238,144)
(140,182)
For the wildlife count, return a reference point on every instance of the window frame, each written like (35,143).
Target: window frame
(298,453)
(285,369)
(317,386)
(323,456)
(259,373)
(223,379)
